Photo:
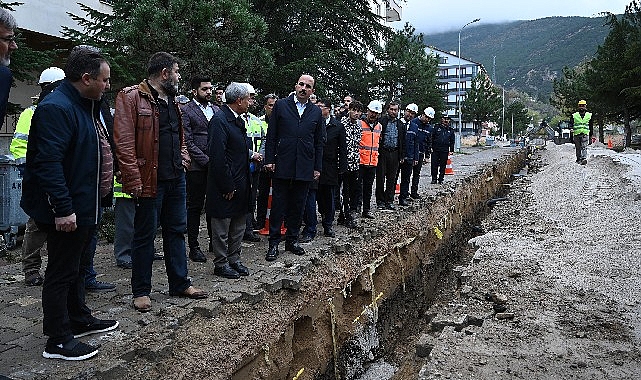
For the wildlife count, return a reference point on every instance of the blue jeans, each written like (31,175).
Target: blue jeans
(170,205)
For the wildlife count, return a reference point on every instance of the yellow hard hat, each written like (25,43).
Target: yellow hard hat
(583,102)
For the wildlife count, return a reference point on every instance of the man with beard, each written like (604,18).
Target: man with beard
(294,153)
(196,115)
(152,156)
(7,46)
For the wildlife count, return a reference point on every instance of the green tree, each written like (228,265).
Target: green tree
(406,72)
(329,39)
(220,38)
(517,118)
(482,102)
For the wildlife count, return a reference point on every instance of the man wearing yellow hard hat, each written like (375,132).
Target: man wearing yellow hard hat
(581,126)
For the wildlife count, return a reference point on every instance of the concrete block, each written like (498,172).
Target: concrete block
(457,321)
(207,309)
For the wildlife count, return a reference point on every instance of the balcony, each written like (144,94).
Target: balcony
(393,11)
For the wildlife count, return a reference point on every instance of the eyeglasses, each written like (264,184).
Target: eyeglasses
(306,85)
(9,39)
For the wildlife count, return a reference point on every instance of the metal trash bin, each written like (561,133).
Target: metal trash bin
(12,217)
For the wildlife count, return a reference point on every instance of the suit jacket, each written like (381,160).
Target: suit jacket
(228,166)
(196,125)
(334,153)
(6,79)
(295,143)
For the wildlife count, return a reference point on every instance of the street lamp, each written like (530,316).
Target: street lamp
(503,112)
(458,88)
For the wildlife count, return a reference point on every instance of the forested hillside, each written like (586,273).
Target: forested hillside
(533,52)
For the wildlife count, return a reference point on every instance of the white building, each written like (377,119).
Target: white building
(448,78)
(389,10)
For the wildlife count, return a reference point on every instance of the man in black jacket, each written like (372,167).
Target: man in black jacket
(390,155)
(69,169)
(293,152)
(196,115)
(442,143)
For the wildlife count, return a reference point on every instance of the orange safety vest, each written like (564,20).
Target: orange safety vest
(369,143)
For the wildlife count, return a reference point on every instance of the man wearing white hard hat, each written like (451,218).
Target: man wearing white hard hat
(34,239)
(370,141)
(417,139)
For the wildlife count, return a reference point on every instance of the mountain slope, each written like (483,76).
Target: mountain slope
(533,52)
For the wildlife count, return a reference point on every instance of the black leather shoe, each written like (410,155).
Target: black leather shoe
(227,272)
(295,249)
(351,224)
(196,255)
(433,182)
(341,221)
(306,239)
(240,268)
(390,206)
(272,253)
(416,196)
(329,232)
(367,214)
(252,237)
(403,202)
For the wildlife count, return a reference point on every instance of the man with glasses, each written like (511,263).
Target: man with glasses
(294,153)
(7,46)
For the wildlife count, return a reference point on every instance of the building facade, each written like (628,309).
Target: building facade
(455,86)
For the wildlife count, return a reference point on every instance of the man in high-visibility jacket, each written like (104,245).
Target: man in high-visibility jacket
(370,138)
(581,127)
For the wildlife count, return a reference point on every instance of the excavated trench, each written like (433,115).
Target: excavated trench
(379,307)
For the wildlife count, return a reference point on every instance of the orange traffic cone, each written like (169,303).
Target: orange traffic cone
(398,189)
(449,169)
(265,229)
(609,143)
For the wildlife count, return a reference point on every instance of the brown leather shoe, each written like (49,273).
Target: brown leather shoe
(142,304)
(191,292)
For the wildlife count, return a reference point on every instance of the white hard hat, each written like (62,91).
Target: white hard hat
(375,106)
(250,88)
(429,112)
(412,107)
(51,75)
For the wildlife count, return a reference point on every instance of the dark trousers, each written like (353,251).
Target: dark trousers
(388,161)
(350,192)
(253,192)
(63,291)
(338,201)
(288,202)
(366,182)
(262,199)
(409,170)
(169,204)
(196,190)
(124,212)
(309,214)
(32,244)
(326,197)
(439,162)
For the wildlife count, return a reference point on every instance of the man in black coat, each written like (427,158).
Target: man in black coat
(196,115)
(442,143)
(334,163)
(293,152)
(390,154)
(228,184)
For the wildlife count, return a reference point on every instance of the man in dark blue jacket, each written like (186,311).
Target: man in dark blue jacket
(294,153)
(228,190)
(417,141)
(69,169)
(442,143)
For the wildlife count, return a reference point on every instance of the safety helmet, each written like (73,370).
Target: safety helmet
(375,106)
(412,107)
(250,88)
(51,75)
(583,102)
(429,112)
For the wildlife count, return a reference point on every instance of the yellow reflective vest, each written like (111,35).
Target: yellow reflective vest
(18,147)
(581,124)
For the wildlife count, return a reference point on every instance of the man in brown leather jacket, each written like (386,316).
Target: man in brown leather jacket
(152,157)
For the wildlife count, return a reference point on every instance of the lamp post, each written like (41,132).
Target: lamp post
(458,88)
(503,112)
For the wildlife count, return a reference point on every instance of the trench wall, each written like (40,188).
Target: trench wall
(332,336)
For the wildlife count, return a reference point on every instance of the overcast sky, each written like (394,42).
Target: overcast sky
(434,16)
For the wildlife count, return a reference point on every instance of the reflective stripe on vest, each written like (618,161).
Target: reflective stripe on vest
(582,124)
(368,149)
(118,190)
